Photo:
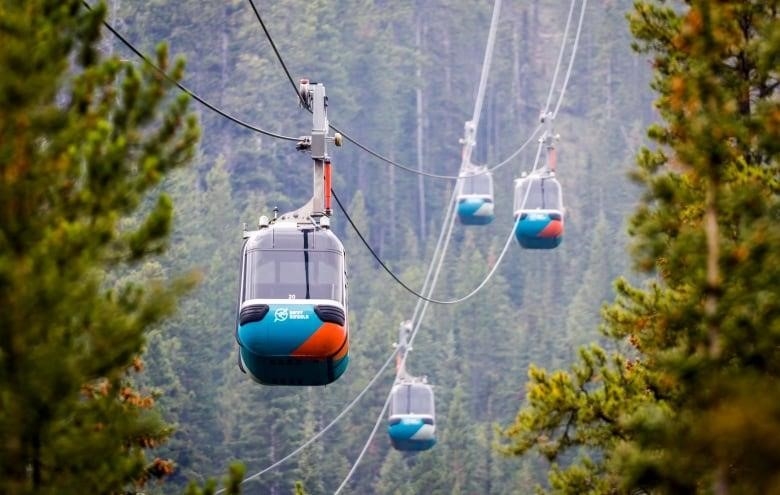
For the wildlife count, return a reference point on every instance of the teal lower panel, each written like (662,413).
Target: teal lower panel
(340,366)
(412,445)
(527,233)
(402,437)
(475,212)
(285,370)
(475,220)
(539,242)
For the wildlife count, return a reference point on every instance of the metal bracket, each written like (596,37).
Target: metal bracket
(469,140)
(548,139)
(312,97)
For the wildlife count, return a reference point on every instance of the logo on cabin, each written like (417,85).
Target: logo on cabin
(298,314)
(280,314)
(284,314)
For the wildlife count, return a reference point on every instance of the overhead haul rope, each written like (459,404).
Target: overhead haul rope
(351,404)
(551,115)
(571,58)
(354,141)
(417,323)
(422,303)
(323,430)
(560,57)
(536,161)
(403,360)
(446,226)
(188,91)
(449,219)
(475,119)
(417,318)
(441,248)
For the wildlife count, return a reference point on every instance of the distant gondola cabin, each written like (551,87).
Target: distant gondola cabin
(539,211)
(412,422)
(475,197)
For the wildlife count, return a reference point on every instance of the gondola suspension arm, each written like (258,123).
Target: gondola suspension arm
(402,347)
(547,140)
(313,97)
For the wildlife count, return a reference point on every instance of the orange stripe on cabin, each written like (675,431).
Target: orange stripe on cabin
(553,229)
(343,352)
(324,342)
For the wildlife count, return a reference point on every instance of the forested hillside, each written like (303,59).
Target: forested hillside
(84,231)
(640,356)
(394,71)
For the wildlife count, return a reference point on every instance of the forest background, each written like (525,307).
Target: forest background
(375,59)
(393,71)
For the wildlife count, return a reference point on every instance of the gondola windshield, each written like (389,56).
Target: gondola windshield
(476,185)
(538,193)
(294,274)
(413,400)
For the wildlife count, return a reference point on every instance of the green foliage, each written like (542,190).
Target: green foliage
(83,144)
(232,483)
(703,335)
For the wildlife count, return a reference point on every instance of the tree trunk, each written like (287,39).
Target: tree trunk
(419,92)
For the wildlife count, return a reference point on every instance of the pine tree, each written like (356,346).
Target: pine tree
(83,143)
(701,374)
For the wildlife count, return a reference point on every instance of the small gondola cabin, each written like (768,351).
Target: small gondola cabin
(412,418)
(539,211)
(475,198)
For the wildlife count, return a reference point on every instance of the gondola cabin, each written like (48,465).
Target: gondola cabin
(475,198)
(538,211)
(412,423)
(292,316)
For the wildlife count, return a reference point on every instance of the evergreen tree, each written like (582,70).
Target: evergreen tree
(83,143)
(702,370)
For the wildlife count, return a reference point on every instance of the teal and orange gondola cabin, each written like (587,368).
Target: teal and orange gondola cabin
(292,324)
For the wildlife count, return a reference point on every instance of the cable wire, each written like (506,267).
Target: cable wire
(560,57)
(188,91)
(365,389)
(389,161)
(323,430)
(422,299)
(571,58)
(441,249)
(366,445)
(536,160)
(437,261)
(278,55)
(417,319)
(416,327)
(354,141)
(469,137)
(439,252)
(516,152)
(401,282)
